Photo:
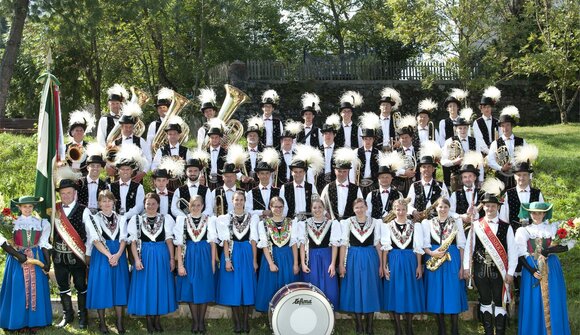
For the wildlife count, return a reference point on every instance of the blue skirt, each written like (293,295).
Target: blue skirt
(238,287)
(13,312)
(270,282)
(360,289)
(198,286)
(403,293)
(108,285)
(319,260)
(445,292)
(152,289)
(531,311)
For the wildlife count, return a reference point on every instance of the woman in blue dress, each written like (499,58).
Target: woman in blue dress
(404,291)
(25,293)
(359,267)
(108,281)
(152,290)
(319,240)
(445,287)
(238,231)
(195,236)
(279,265)
(542,288)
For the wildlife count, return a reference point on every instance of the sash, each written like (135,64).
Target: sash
(497,252)
(69,234)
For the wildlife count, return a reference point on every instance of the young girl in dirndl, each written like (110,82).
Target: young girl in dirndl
(108,280)
(25,293)
(445,287)
(152,290)
(542,288)
(195,238)
(360,267)
(404,291)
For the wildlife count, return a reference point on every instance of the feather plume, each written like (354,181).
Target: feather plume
(369,120)
(175,119)
(294,127)
(132,109)
(430,148)
(311,155)
(355,98)
(394,160)
(408,121)
(493,93)
(237,155)
(270,94)
(333,120)
(526,153)
(200,155)
(270,156)
(255,121)
(66,172)
(130,153)
(474,158)
(216,123)
(117,89)
(393,94)
(311,100)
(165,93)
(511,111)
(95,149)
(206,95)
(175,166)
(466,113)
(427,105)
(84,117)
(492,186)
(347,155)
(459,94)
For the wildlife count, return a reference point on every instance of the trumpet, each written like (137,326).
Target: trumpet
(76,153)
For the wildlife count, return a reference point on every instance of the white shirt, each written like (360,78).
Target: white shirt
(426,191)
(164,204)
(367,167)
(200,137)
(214,154)
(341,194)
(407,151)
(479,135)
(151,132)
(139,201)
(492,158)
(523,196)
(265,191)
(423,133)
(445,161)
(386,127)
(299,197)
(102,129)
(543,230)
(328,152)
(384,199)
(287,155)
(269,127)
(347,128)
(92,187)
(229,195)
(173,149)
(427,226)
(193,188)
(68,208)
(468,195)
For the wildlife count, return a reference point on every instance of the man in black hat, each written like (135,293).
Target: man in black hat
(162,105)
(217,157)
(340,194)
(328,147)
(284,174)
(127,123)
(69,251)
(172,147)
(297,194)
(117,94)
(310,134)
(492,251)
(465,200)
(485,128)
(91,184)
(129,194)
(273,127)
(368,155)
(380,201)
(446,126)
(348,133)
(424,192)
(76,130)
(425,130)
(181,196)
(209,111)
(386,137)
(160,181)
(254,148)
(224,195)
(258,198)
(406,175)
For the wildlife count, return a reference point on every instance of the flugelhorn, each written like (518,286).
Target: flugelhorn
(177,105)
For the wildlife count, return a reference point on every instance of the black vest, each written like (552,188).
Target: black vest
(420,200)
(377,209)
(76,219)
(380,141)
(312,140)
(131,195)
(374,163)
(110,124)
(282,168)
(289,197)
(339,140)
(518,142)
(462,205)
(514,204)
(83,192)
(351,197)
(258,202)
(275,133)
(136,140)
(184,194)
(157,124)
(166,151)
(483,128)
(417,139)
(501,234)
(449,128)
(221,160)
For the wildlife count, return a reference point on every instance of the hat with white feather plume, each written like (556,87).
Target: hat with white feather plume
(174,123)
(174,167)
(472,161)
(509,114)
(199,159)
(292,128)
(207,99)
(81,118)
(345,158)
(95,153)
(465,117)
(254,124)
(492,188)
(131,112)
(456,96)
(269,160)
(332,124)
(307,157)
(216,127)
(427,106)
(350,100)
(390,162)
(491,96)
(430,153)
(392,96)
(369,123)
(67,177)
(524,157)
(310,103)
(407,125)
(117,93)
(237,155)
(164,97)
(270,97)
(131,155)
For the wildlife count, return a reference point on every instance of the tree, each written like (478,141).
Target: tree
(11,51)
(553,52)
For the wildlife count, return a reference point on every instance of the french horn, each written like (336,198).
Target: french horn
(502,157)
(455,150)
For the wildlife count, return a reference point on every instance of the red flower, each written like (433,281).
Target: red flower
(570,222)
(6,211)
(562,233)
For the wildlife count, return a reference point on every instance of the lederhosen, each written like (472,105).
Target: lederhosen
(131,199)
(310,139)
(487,276)
(377,208)
(290,201)
(453,171)
(404,184)
(421,201)
(83,164)
(351,197)
(221,160)
(379,140)
(282,168)
(514,205)
(275,133)
(374,167)
(185,195)
(462,205)
(83,192)
(324,178)
(339,140)
(66,263)
(509,182)
(484,132)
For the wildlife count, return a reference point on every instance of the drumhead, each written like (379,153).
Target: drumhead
(302,311)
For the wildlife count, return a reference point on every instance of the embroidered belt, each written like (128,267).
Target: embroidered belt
(62,248)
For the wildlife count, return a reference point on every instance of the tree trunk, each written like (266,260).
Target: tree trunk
(95,74)
(157,38)
(11,51)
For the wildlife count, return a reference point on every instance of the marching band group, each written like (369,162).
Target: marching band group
(354,209)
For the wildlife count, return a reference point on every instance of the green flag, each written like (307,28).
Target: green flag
(50,142)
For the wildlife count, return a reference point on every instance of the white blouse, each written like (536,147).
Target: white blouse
(430,231)
(168,225)
(263,234)
(395,237)
(533,231)
(225,231)
(120,232)
(373,228)
(179,229)
(301,232)
(32,223)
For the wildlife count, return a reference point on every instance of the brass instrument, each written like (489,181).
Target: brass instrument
(431,126)
(185,204)
(410,162)
(434,263)
(219,205)
(139,96)
(502,157)
(425,214)
(362,182)
(234,128)
(455,150)
(76,153)
(177,105)
(390,216)
(111,153)
(396,120)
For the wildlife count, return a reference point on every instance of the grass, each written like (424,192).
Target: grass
(557,173)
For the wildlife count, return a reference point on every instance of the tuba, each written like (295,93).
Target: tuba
(434,263)
(141,98)
(76,153)
(234,128)
(177,105)
(502,157)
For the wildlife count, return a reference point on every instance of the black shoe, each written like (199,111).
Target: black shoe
(487,320)
(150,328)
(120,328)
(67,311)
(83,313)
(157,324)
(500,322)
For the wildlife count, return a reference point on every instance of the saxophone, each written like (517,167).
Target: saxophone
(434,263)
(425,214)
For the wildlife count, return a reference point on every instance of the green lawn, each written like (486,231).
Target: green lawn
(556,173)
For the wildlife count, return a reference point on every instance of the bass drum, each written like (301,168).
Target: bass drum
(301,309)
